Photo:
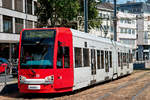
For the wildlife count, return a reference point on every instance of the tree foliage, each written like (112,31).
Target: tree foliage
(64,12)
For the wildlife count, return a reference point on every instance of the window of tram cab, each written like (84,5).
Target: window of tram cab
(66,58)
(63,52)
(60,57)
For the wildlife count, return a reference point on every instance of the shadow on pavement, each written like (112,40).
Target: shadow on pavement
(12,91)
(9,89)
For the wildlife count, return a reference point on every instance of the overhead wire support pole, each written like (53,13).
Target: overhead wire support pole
(86,16)
(115,21)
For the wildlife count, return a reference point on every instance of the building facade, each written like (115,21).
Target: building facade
(14,16)
(141,9)
(126,29)
(126,25)
(105,11)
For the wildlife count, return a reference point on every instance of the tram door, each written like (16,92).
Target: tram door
(93,62)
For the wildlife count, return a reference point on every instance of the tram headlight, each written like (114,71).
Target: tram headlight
(22,79)
(49,79)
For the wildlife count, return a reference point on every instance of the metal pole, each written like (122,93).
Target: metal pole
(86,16)
(26,13)
(5,76)
(115,21)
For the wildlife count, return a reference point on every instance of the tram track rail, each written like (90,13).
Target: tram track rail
(112,90)
(141,91)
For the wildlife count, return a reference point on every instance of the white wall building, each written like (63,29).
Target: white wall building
(14,16)
(143,28)
(106,28)
(126,28)
(126,25)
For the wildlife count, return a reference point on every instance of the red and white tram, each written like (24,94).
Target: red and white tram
(56,60)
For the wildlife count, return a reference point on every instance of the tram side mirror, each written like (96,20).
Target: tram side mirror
(59,43)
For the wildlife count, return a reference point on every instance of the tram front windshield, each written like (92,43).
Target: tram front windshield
(37,49)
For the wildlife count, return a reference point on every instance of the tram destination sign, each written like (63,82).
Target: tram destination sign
(27,34)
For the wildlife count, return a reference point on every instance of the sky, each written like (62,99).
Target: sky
(124,1)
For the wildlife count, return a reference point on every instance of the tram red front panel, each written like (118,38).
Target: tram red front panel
(63,78)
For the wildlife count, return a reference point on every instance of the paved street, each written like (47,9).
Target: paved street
(9,78)
(133,87)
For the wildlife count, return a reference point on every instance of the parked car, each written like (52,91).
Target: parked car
(3,64)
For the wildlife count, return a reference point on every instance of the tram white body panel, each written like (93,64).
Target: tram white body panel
(82,75)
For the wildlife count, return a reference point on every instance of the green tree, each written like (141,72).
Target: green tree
(93,19)
(64,12)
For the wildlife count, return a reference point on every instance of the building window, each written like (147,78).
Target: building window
(7,24)
(100,14)
(7,4)
(129,31)
(133,31)
(29,24)
(86,61)
(121,30)
(126,30)
(78,57)
(121,20)
(18,25)
(19,5)
(28,5)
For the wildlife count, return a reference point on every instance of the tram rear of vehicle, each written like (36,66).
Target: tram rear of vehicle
(45,61)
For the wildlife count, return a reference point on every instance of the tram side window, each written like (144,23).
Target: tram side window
(98,59)
(119,59)
(127,57)
(124,59)
(102,59)
(86,61)
(110,58)
(60,57)
(106,61)
(130,58)
(78,57)
(66,58)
